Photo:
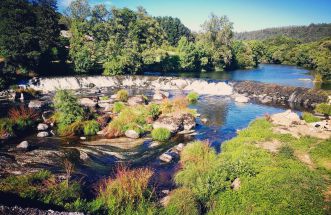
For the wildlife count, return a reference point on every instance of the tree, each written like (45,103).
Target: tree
(174,29)
(79,9)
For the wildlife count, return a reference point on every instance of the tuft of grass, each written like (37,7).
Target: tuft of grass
(323,108)
(182,201)
(23,117)
(128,192)
(102,98)
(6,127)
(118,107)
(309,117)
(122,95)
(91,127)
(161,134)
(192,97)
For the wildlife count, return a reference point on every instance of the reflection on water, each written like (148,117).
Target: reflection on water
(269,73)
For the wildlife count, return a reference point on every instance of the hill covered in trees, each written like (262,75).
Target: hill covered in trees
(308,33)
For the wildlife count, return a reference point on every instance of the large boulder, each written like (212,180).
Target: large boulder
(132,134)
(87,102)
(286,118)
(173,124)
(160,95)
(136,100)
(241,99)
(188,121)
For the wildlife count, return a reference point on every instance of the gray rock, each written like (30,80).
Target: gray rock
(241,99)
(43,134)
(36,104)
(235,185)
(171,123)
(42,127)
(136,100)
(165,157)
(82,138)
(87,102)
(180,147)
(23,145)
(188,121)
(160,95)
(132,134)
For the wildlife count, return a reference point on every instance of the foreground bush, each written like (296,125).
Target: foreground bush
(182,201)
(309,118)
(68,113)
(128,192)
(122,95)
(91,127)
(118,107)
(161,134)
(192,97)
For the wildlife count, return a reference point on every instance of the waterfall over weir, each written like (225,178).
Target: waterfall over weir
(146,82)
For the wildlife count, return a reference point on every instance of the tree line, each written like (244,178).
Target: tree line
(119,41)
(308,33)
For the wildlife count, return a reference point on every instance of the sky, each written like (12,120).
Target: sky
(246,15)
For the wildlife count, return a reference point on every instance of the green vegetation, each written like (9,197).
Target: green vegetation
(69,114)
(309,117)
(122,95)
(6,127)
(154,110)
(91,127)
(271,181)
(161,134)
(42,186)
(182,201)
(118,107)
(103,98)
(323,108)
(192,97)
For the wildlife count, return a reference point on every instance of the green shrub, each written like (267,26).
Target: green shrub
(122,95)
(309,118)
(192,97)
(286,151)
(324,109)
(182,201)
(74,128)
(102,98)
(6,127)
(154,110)
(67,107)
(161,134)
(118,107)
(91,127)
(23,117)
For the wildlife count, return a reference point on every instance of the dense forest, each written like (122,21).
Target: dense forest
(308,33)
(37,40)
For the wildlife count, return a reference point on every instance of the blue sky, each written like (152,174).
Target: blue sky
(246,15)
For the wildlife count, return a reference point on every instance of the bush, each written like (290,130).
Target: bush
(91,127)
(161,134)
(154,110)
(128,192)
(192,97)
(118,107)
(309,118)
(182,201)
(6,128)
(286,151)
(122,95)
(67,108)
(74,128)
(102,98)
(324,109)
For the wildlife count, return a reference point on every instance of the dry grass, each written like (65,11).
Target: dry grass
(128,186)
(23,113)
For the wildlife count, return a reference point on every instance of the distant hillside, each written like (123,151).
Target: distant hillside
(309,33)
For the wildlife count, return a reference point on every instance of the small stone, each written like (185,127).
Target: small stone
(42,127)
(154,144)
(235,185)
(43,134)
(166,158)
(23,145)
(132,134)
(83,138)
(83,156)
(180,147)
(204,120)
